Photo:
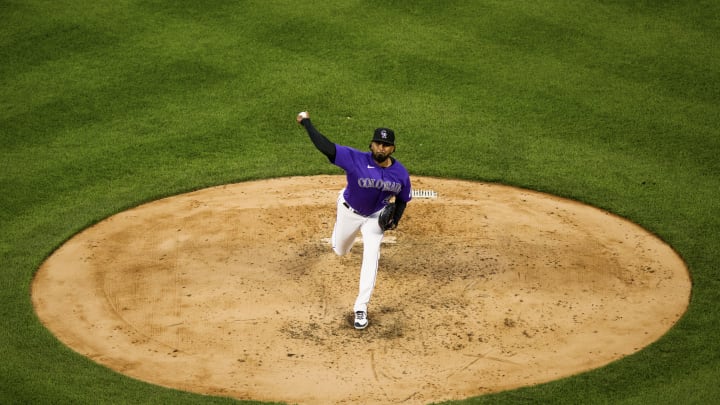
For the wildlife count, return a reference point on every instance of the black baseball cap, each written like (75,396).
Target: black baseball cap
(384,135)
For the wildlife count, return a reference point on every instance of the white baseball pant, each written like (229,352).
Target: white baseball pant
(347,225)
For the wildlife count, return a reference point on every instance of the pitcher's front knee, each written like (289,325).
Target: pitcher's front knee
(340,252)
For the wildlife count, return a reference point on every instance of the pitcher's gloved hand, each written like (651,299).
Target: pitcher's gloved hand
(386,220)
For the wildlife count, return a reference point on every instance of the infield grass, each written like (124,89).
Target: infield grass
(106,105)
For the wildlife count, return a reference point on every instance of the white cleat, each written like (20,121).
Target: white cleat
(361,321)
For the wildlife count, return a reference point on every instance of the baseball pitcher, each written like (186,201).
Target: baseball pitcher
(365,205)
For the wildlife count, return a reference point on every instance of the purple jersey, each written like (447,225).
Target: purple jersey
(369,186)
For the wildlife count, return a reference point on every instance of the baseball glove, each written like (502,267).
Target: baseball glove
(386,220)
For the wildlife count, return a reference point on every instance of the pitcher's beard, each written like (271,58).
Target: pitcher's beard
(380,157)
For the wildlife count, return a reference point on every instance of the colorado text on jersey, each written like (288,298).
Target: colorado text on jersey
(390,186)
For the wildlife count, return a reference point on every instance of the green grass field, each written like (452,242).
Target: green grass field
(109,104)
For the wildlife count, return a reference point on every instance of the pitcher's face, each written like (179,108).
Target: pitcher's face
(381,151)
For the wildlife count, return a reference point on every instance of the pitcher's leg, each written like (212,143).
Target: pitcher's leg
(347,225)
(372,238)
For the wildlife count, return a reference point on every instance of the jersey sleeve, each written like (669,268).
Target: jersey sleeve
(406,191)
(345,157)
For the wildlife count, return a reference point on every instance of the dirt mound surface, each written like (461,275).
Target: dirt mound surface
(234,291)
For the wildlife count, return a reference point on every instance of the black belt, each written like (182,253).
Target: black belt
(352,209)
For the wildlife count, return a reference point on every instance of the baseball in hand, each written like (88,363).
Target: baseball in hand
(302,116)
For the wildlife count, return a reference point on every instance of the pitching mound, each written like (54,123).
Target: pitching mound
(235,291)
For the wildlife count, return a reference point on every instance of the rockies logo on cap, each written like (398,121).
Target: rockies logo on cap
(384,135)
